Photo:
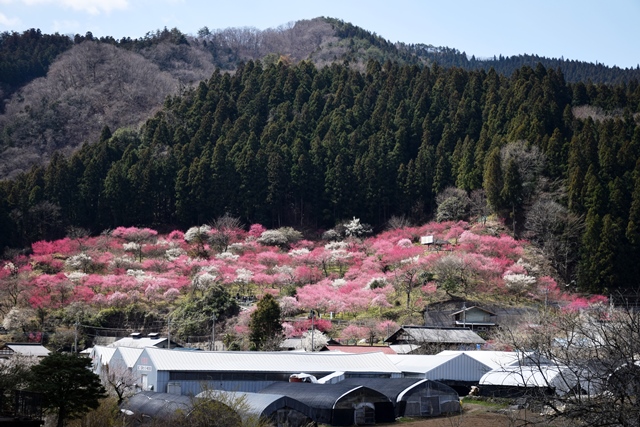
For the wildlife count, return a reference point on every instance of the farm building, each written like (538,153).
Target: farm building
(514,381)
(186,372)
(413,397)
(339,404)
(276,409)
(100,357)
(23,349)
(457,369)
(428,340)
(491,359)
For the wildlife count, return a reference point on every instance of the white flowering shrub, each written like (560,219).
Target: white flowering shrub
(333,246)
(319,340)
(354,228)
(337,283)
(227,256)
(79,262)
(203,280)
(243,275)
(299,252)
(518,283)
(173,254)
(124,262)
(197,234)
(272,238)
(131,247)
(75,276)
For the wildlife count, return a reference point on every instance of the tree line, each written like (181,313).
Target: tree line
(297,145)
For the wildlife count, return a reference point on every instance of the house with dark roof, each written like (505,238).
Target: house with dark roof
(410,339)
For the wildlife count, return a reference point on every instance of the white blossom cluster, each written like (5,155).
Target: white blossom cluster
(78,262)
(197,234)
(337,283)
(139,275)
(172,254)
(334,246)
(227,256)
(283,269)
(243,275)
(319,340)
(412,260)
(237,248)
(131,247)
(123,262)
(353,228)
(204,280)
(273,238)
(75,276)
(11,267)
(519,281)
(298,252)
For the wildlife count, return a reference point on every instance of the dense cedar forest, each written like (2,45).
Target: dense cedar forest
(284,142)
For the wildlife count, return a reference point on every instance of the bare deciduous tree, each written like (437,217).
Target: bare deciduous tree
(594,356)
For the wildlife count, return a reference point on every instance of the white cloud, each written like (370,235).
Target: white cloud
(93,7)
(66,26)
(5,21)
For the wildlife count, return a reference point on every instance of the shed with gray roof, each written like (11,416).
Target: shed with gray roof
(187,372)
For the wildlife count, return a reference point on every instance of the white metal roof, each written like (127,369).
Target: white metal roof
(253,361)
(440,367)
(403,348)
(138,342)
(419,363)
(493,359)
(558,377)
(129,355)
(101,354)
(29,349)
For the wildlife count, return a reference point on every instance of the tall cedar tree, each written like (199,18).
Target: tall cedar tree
(69,387)
(265,324)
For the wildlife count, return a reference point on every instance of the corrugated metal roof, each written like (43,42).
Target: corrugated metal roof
(170,360)
(493,359)
(129,355)
(558,377)
(103,355)
(359,349)
(28,349)
(444,336)
(442,367)
(403,348)
(420,363)
(138,342)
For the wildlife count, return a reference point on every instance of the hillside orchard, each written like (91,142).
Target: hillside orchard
(359,288)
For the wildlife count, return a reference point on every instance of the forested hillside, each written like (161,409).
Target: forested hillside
(297,145)
(58,92)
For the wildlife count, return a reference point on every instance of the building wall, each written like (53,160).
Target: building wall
(461,368)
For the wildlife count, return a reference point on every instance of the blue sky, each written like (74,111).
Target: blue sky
(600,31)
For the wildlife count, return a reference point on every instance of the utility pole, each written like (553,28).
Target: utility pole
(312,315)
(213,332)
(169,333)
(75,337)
